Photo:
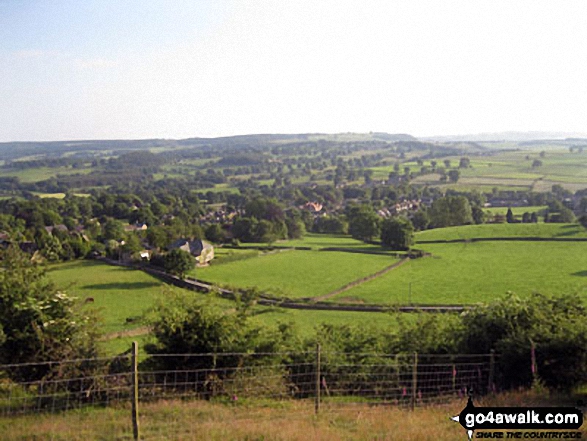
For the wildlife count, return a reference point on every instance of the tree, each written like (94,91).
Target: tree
(244,228)
(454,175)
(215,233)
(464,162)
(38,322)
(265,232)
(363,222)
(536,163)
(113,230)
(331,224)
(509,217)
(132,244)
(185,324)
(397,233)
(450,211)
(511,326)
(420,220)
(478,214)
(295,228)
(178,262)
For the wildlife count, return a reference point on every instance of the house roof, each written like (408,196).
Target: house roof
(194,247)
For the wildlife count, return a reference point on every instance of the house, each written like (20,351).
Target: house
(203,251)
(146,254)
(59,227)
(314,207)
(135,227)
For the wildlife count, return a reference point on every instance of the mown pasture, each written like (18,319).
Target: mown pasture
(120,294)
(471,272)
(495,231)
(296,274)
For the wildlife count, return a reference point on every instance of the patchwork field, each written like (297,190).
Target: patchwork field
(296,274)
(119,293)
(509,170)
(492,231)
(481,271)
(461,272)
(131,293)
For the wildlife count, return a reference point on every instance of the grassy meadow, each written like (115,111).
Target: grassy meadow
(296,274)
(481,271)
(119,293)
(508,170)
(132,293)
(461,272)
(491,231)
(265,420)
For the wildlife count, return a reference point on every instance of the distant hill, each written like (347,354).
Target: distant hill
(13,150)
(506,136)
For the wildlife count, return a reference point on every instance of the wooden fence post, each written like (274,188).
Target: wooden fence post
(414,380)
(317,402)
(135,390)
(491,385)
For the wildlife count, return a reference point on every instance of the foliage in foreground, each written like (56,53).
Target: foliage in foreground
(38,322)
(510,326)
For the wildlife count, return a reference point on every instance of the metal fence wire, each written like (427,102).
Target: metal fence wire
(328,378)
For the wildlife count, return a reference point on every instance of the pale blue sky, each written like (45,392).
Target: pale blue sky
(173,69)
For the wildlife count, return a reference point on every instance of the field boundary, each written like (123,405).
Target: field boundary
(505,239)
(266,300)
(362,280)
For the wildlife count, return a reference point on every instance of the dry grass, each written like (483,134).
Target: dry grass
(289,420)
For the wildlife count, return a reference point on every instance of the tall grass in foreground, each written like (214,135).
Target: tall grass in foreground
(263,420)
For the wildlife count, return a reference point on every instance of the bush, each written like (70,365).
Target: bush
(37,322)
(184,324)
(397,233)
(556,327)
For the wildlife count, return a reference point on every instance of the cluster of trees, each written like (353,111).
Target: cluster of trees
(265,220)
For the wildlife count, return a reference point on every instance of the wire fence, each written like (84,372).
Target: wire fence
(328,379)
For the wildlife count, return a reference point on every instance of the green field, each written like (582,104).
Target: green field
(318,241)
(119,293)
(131,293)
(481,271)
(296,274)
(42,173)
(508,170)
(516,211)
(549,230)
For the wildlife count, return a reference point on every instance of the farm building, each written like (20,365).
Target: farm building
(203,251)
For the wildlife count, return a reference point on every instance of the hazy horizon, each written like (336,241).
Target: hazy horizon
(146,70)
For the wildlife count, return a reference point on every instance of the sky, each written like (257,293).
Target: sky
(114,69)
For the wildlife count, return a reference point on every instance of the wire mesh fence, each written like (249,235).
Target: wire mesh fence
(328,379)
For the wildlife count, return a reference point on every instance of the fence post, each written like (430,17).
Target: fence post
(317,402)
(454,377)
(135,390)
(491,370)
(414,380)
